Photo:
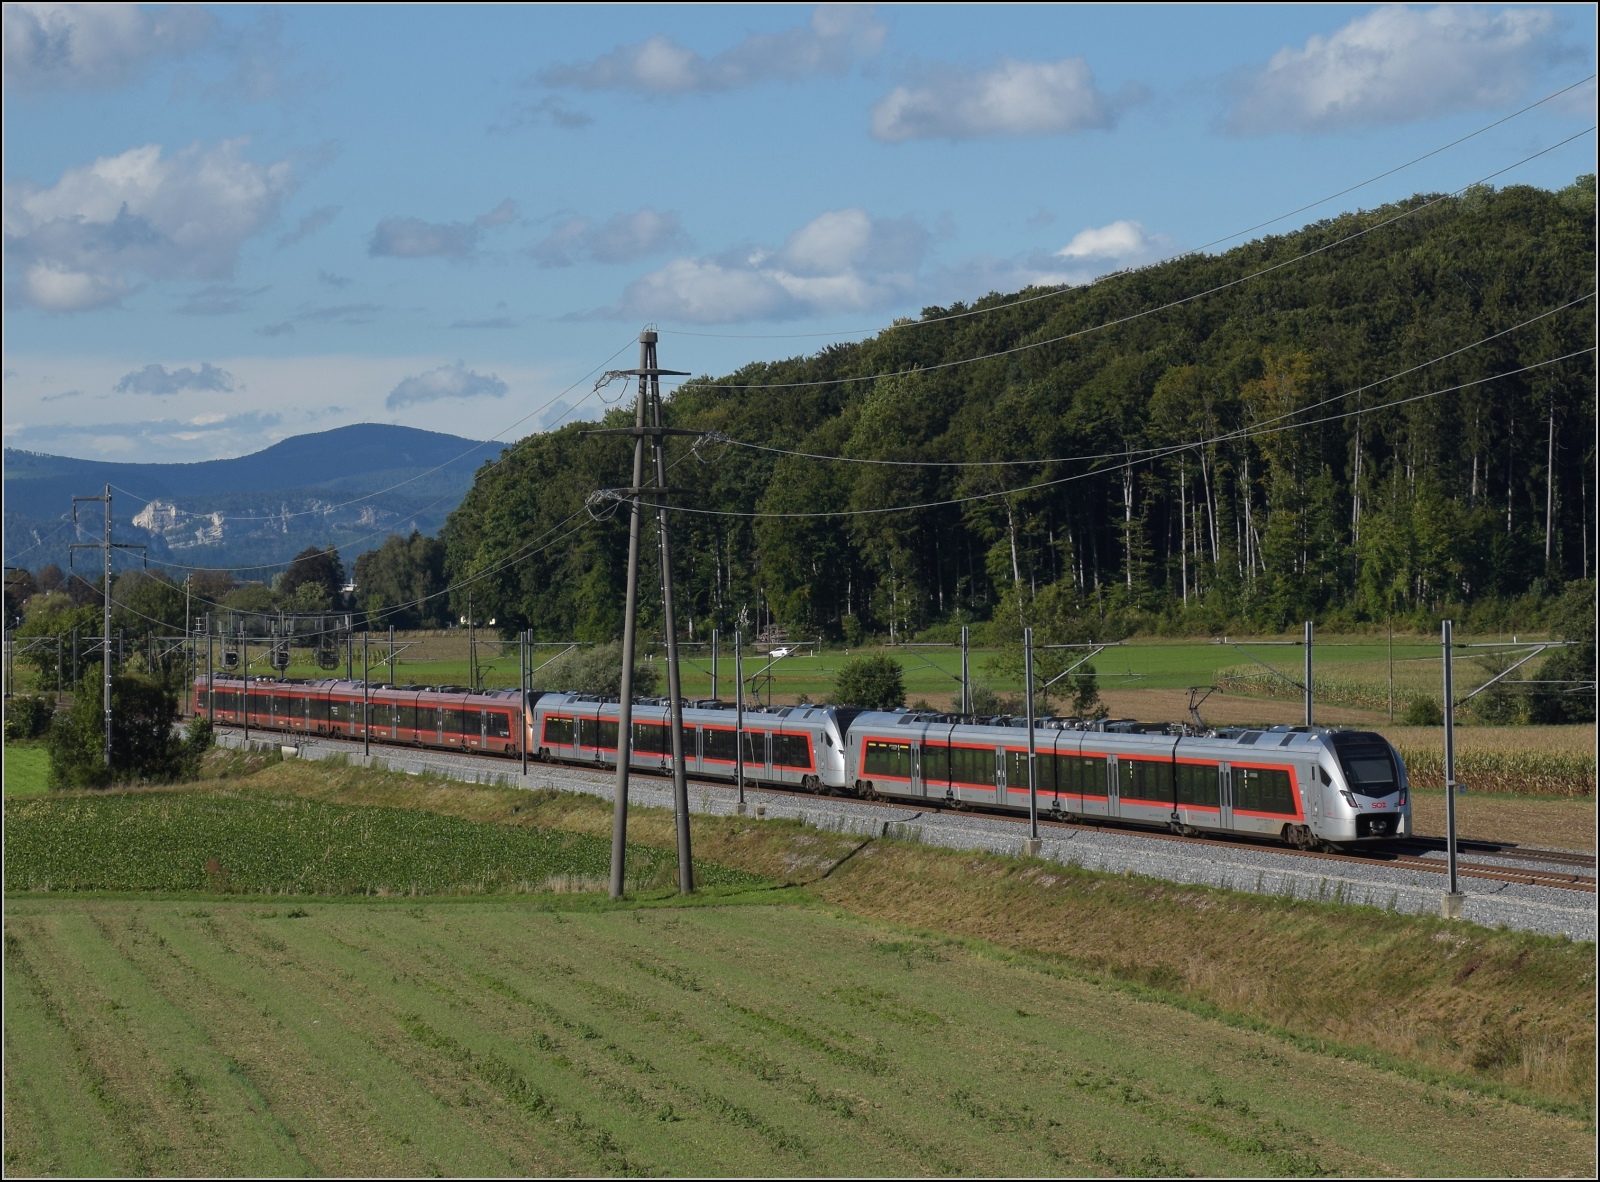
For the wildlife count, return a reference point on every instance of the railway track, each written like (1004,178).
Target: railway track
(1387,856)
(1400,855)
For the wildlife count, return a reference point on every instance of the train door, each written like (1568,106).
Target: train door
(916,786)
(1224,798)
(1113,799)
(1000,775)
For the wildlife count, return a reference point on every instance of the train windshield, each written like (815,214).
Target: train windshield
(1368,765)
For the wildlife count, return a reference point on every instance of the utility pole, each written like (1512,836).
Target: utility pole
(1309,633)
(738,714)
(391,654)
(1391,669)
(211,675)
(647,422)
(105,547)
(1451,904)
(366,694)
(966,673)
(472,647)
(1031,849)
(522,695)
(244,672)
(713,664)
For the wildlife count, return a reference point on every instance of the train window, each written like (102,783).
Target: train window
(716,743)
(972,765)
(608,734)
(1145,779)
(453,721)
(1197,784)
(472,723)
(652,738)
(405,717)
(558,731)
(791,751)
(888,759)
(936,764)
(319,709)
(1262,790)
(1082,774)
(338,711)
(498,726)
(755,747)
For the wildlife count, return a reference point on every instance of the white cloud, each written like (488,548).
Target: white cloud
(93,46)
(843,260)
(619,239)
(181,215)
(448,381)
(1118,245)
(158,379)
(413,238)
(1011,99)
(835,37)
(1397,65)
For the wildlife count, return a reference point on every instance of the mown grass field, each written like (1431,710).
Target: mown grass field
(27,769)
(498,1038)
(872,1008)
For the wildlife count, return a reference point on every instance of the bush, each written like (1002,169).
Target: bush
(27,717)
(871,683)
(143,744)
(1424,712)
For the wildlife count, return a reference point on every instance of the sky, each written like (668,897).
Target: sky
(227,226)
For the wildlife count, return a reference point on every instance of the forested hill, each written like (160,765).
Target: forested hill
(1207,463)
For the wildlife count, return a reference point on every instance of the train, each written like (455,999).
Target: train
(1311,787)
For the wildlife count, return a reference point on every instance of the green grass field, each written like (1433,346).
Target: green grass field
(498,1038)
(178,1002)
(934,672)
(188,841)
(27,769)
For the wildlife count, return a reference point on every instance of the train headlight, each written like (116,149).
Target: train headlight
(1349,797)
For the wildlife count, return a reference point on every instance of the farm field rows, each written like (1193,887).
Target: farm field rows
(501,1037)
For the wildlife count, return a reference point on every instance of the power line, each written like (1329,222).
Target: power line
(1121,320)
(1135,451)
(1242,433)
(845,332)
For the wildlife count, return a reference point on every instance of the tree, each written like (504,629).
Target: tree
(401,582)
(313,565)
(1572,620)
(143,745)
(20,587)
(596,669)
(871,683)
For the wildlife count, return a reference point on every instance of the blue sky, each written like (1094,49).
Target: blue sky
(227,226)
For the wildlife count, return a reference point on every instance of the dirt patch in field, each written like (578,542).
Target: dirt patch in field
(1554,824)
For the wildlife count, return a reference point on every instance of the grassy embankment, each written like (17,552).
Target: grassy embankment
(913,1009)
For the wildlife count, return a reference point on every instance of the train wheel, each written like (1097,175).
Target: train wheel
(810,784)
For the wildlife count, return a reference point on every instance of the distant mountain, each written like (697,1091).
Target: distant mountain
(348,487)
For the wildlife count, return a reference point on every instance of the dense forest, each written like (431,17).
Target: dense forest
(1320,435)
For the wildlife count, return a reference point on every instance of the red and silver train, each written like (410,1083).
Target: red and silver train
(1306,785)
